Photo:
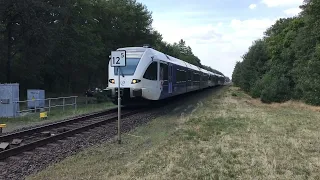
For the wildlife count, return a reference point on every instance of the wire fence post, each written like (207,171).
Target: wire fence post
(49,105)
(63,103)
(35,106)
(15,109)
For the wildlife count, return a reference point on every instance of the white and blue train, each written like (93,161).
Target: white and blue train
(150,75)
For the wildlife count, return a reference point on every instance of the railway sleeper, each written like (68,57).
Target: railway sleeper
(72,126)
(16,141)
(71,138)
(14,158)
(63,129)
(62,140)
(41,148)
(4,146)
(53,144)
(28,153)
(45,134)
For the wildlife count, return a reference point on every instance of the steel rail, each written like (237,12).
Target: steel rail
(11,136)
(32,145)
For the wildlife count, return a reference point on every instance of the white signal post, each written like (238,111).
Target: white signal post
(118,59)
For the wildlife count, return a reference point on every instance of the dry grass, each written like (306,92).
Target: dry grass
(289,104)
(225,137)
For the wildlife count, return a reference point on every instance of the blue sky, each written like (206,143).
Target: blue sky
(219,32)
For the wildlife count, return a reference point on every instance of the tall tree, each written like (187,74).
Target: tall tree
(291,59)
(63,46)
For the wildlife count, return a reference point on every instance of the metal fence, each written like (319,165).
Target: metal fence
(46,104)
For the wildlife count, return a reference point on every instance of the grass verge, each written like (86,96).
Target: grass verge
(54,115)
(225,136)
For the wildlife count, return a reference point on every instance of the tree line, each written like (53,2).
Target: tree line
(63,46)
(285,63)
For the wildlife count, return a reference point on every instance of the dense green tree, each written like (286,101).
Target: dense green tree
(236,75)
(286,66)
(63,46)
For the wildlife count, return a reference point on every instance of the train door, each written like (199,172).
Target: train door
(164,74)
(170,78)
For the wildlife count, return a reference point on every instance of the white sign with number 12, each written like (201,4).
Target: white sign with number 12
(118,58)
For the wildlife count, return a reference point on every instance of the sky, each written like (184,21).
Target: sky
(218,31)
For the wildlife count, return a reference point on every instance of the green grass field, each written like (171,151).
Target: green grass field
(226,136)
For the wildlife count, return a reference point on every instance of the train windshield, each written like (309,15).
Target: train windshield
(130,67)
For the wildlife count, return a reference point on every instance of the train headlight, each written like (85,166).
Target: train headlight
(135,81)
(112,81)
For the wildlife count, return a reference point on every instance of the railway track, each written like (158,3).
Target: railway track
(22,141)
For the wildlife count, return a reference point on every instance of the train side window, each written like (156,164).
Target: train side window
(151,72)
(181,76)
(178,75)
(189,75)
(163,71)
(196,77)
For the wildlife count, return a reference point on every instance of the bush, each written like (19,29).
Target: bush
(275,89)
(257,88)
(101,97)
(311,83)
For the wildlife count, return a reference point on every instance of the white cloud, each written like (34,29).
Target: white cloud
(179,30)
(251,23)
(292,11)
(276,3)
(252,6)
(236,29)
(218,45)
(218,36)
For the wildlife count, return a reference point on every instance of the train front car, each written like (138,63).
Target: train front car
(138,79)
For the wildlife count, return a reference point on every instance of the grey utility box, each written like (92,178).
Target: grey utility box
(9,94)
(37,97)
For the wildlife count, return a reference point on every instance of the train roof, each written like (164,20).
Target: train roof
(139,51)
